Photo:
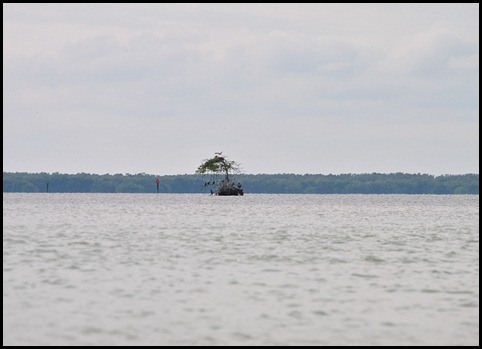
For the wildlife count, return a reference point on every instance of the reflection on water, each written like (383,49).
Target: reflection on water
(146,269)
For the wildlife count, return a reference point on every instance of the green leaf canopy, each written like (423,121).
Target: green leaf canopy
(218,164)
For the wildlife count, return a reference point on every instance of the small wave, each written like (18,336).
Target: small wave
(470,305)
(296,314)
(320,312)
(388,324)
(459,292)
(366,276)
(241,335)
(14,241)
(429,290)
(82,243)
(374,259)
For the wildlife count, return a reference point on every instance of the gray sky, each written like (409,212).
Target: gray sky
(280,88)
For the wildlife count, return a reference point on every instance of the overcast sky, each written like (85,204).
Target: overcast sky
(280,88)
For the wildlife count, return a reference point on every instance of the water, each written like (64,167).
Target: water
(147,269)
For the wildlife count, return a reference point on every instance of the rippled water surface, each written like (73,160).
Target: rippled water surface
(147,269)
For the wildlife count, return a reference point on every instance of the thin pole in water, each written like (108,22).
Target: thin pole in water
(157,183)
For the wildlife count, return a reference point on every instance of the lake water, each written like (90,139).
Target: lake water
(162,269)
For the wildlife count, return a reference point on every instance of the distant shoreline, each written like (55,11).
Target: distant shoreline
(374,183)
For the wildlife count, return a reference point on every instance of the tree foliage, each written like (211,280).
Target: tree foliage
(218,164)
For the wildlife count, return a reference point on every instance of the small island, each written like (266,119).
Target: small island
(220,167)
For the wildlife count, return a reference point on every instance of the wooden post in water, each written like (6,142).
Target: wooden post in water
(47,186)
(157,183)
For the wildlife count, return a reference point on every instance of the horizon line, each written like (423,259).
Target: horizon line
(249,174)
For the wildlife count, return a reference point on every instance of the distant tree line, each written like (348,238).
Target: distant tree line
(373,183)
